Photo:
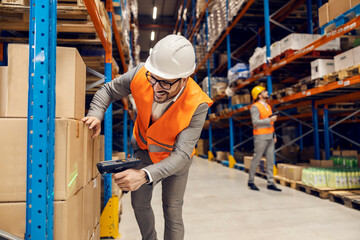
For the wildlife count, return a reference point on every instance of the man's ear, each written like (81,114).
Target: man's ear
(185,81)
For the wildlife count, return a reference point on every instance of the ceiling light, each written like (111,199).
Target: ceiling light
(154,12)
(152,36)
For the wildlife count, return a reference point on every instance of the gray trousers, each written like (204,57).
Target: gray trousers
(261,147)
(173,189)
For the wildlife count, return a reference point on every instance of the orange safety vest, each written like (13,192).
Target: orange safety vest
(160,137)
(264,113)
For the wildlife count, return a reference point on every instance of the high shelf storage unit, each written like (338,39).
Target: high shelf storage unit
(317,97)
(41,108)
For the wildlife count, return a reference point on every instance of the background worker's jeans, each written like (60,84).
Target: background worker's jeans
(173,189)
(263,146)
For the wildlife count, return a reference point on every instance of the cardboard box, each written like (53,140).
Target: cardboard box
(203,146)
(356,55)
(118,155)
(96,156)
(70,82)
(3,89)
(281,167)
(293,172)
(97,199)
(334,9)
(97,232)
(334,45)
(324,14)
(220,155)
(247,163)
(68,218)
(102,148)
(344,5)
(353,3)
(69,149)
(88,210)
(296,41)
(321,163)
(349,153)
(275,49)
(344,60)
(321,67)
(16,2)
(88,155)
(336,152)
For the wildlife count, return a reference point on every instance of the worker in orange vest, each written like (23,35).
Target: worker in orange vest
(264,136)
(171,111)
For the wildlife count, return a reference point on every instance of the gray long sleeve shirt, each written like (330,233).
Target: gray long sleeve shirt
(256,121)
(185,141)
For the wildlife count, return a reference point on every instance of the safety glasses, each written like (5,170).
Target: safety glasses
(164,84)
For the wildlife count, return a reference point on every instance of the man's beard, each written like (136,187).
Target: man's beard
(166,97)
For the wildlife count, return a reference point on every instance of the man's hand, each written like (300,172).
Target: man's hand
(130,179)
(273,118)
(94,123)
(275,140)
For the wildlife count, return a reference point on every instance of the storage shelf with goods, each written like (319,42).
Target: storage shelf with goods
(297,95)
(85,29)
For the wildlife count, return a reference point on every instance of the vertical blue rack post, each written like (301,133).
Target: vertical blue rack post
(130,136)
(108,123)
(228,47)
(267,42)
(326,133)
(125,130)
(194,41)
(316,131)
(208,75)
(41,120)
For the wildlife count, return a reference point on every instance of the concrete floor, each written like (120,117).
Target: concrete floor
(218,205)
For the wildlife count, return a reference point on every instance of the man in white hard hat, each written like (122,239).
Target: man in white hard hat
(171,113)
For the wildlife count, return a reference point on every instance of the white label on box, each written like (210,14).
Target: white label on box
(340,82)
(308,93)
(347,83)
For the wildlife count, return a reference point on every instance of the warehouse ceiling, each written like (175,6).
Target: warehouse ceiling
(246,28)
(164,24)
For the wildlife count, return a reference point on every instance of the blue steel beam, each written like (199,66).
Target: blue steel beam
(316,131)
(52,115)
(301,139)
(194,41)
(326,133)
(108,125)
(125,140)
(228,47)
(130,136)
(41,120)
(208,74)
(267,42)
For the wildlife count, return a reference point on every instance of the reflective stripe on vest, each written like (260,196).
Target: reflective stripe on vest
(264,113)
(160,137)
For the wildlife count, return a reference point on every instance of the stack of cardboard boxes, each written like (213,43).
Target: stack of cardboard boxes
(334,8)
(260,169)
(76,180)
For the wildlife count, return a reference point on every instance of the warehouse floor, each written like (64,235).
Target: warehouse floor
(218,205)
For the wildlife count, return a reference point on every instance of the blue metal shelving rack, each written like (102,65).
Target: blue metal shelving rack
(41,120)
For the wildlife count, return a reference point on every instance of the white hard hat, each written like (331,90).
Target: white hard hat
(172,57)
